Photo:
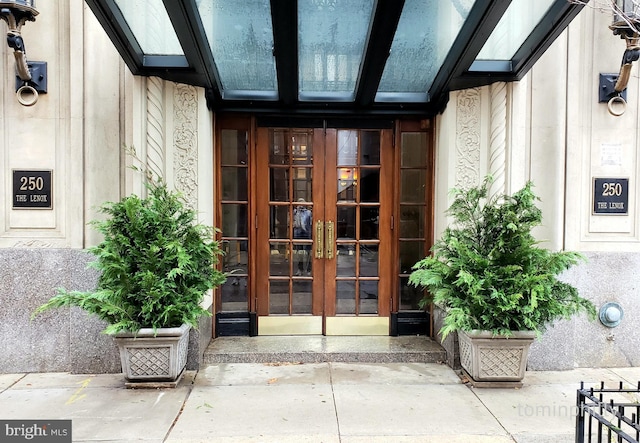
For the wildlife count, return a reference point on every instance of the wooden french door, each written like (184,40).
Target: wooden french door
(323,231)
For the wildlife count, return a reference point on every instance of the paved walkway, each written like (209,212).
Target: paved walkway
(311,402)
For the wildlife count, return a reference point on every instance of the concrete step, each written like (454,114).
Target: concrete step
(317,349)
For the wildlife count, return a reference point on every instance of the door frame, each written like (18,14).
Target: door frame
(250,124)
(323,318)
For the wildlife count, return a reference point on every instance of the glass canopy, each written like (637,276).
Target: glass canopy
(513,28)
(240,38)
(423,38)
(149,22)
(333,56)
(331,39)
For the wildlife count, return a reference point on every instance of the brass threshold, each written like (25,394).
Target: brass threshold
(357,326)
(312,325)
(290,325)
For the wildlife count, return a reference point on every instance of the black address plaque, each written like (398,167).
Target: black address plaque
(610,195)
(32,189)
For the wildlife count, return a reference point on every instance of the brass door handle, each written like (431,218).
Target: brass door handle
(329,239)
(319,249)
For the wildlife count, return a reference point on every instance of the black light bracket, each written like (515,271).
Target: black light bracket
(31,77)
(626,25)
(607,88)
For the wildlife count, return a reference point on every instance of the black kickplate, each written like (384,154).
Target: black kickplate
(234,324)
(410,323)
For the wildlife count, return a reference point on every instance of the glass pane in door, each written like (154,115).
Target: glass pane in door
(368,297)
(357,212)
(290,221)
(412,244)
(234,294)
(345,297)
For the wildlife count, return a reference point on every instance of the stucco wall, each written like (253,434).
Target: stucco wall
(599,145)
(94,107)
(573,140)
(73,130)
(558,135)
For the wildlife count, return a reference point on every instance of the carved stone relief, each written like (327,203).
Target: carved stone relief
(185,136)
(468,138)
(498,142)
(155,127)
(35,244)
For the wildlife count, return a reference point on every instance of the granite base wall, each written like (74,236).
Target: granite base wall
(580,342)
(69,340)
(62,340)
(450,343)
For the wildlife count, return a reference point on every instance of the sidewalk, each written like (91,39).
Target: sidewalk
(311,402)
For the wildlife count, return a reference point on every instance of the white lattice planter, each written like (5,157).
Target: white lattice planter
(149,356)
(488,358)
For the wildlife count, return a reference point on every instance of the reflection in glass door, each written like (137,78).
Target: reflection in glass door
(289,295)
(358,214)
(290,222)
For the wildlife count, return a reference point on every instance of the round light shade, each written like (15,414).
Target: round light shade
(611,314)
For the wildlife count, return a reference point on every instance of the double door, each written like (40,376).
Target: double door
(323,231)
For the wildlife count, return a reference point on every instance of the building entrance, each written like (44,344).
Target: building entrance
(321,226)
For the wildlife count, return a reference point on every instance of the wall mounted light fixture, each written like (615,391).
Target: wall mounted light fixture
(611,314)
(31,78)
(626,24)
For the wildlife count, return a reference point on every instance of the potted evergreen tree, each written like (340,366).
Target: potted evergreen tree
(156,263)
(498,289)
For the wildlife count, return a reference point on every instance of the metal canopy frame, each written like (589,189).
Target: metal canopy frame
(460,69)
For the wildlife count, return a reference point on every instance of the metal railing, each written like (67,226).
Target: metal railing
(608,415)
